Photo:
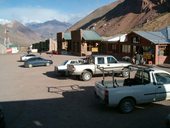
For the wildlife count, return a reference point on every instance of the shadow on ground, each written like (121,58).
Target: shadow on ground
(77,107)
(58,76)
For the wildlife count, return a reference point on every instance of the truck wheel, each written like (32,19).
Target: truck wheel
(127,105)
(125,73)
(86,76)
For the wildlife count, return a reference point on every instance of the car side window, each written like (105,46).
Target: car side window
(146,78)
(100,60)
(142,77)
(39,59)
(72,62)
(111,60)
(163,78)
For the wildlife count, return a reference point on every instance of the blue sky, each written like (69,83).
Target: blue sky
(42,10)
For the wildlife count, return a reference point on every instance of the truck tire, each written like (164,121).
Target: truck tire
(126,105)
(86,76)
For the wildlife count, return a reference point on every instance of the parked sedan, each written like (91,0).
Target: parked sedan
(37,61)
(27,56)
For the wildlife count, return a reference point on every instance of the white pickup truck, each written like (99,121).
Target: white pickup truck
(94,62)
(148,85)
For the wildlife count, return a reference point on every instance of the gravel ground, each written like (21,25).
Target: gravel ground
(38,98)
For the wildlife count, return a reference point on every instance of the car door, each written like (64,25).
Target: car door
(100,63)
(42,62)
(163,86)
(39,62)
(113,63)
(144,89)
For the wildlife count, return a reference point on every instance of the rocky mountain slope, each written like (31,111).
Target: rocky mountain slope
(17,33)
(25,35)
(123,16)
(49,28)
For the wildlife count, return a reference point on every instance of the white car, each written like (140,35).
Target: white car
(62,69)
(27,56)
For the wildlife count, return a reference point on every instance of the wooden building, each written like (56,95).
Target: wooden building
(113,45)
(154,47)
(63,42)
(85,42)
(48,45)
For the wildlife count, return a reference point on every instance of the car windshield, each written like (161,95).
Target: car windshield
(163,78)
(65,62)
(30,55)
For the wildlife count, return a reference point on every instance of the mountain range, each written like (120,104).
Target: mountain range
(25,35)
(121,16)
(49,28)
(124,16)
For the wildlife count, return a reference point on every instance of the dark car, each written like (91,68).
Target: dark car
(37,61)
(2,121)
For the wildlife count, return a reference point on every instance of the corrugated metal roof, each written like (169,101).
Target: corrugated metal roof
(161,36)
(91,35)
(166,32)
(67,36)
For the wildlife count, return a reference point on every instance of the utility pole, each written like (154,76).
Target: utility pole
(6,39)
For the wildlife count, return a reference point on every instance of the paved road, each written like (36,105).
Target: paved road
(37,98)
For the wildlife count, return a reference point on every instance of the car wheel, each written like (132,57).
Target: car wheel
(125,73)
(86,76)
(47,64)
(30,65)
(127,105)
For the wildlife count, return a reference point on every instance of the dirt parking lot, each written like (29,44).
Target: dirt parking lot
(38,98)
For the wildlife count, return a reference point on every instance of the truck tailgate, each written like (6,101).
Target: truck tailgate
(100,90)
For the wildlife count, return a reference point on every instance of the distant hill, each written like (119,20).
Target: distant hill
(123,16)
(25,35)
(49,28)
(18,34)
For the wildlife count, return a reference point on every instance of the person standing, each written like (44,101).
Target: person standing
(138,58)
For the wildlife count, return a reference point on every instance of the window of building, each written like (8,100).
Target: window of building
(114,48)
(110,47)
(89,47)
(126,48)
(135,39)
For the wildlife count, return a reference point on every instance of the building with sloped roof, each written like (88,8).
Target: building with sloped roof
(112,44)
(64,42)
(154,47)
(85,42)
